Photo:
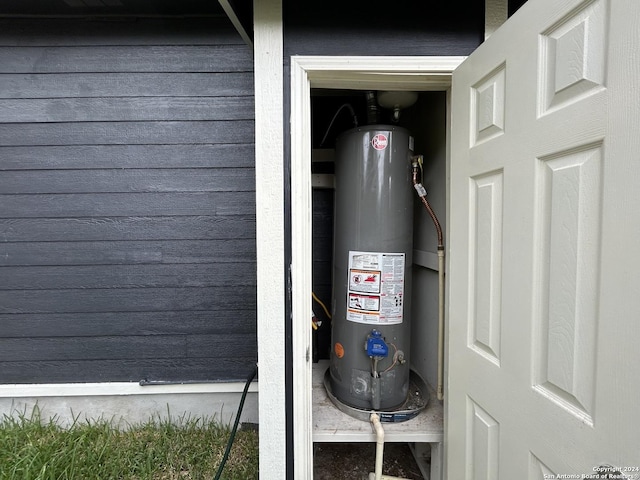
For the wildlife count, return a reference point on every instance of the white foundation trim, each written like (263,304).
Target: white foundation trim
(360,73)
(117,389)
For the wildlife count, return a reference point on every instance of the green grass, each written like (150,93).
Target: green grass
(33,449)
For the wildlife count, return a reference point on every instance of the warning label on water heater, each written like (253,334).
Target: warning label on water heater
(376,287)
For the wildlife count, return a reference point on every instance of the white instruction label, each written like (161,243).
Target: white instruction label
(376,287)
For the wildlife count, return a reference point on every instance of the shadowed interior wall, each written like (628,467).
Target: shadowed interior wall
(127,201)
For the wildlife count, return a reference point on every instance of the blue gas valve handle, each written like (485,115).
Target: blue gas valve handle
(376,346)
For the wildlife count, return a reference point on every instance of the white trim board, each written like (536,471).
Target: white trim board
(270,242)
(307,72)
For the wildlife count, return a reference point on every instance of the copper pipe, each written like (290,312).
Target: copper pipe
(422,193)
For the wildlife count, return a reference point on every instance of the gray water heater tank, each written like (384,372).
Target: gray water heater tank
(372,258)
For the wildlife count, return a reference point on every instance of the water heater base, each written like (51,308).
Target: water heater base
(417,400)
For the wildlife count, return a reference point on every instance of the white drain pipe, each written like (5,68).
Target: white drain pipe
(377,425)
(372,476)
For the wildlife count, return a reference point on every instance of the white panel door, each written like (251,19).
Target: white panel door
(543,364)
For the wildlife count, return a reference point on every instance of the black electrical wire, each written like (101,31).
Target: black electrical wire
(353,114)
(235,424)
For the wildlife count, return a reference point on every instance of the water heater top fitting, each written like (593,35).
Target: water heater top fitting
(396,101)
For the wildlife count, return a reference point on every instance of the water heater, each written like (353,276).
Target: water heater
(372,258)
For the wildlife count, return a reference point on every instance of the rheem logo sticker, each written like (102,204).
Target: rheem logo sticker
(379,142)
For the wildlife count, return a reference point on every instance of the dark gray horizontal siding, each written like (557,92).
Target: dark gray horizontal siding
(304,40)
(129,347)
(63,157)
(127,85)
(171,369)
(375,27)
(127,201)
(127,228)
(126,181)
(126,58)
(133,109)
(235,250)
(219,321)
(123,31)
(129,276)
(127,204)
(125,133)
(125,299)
